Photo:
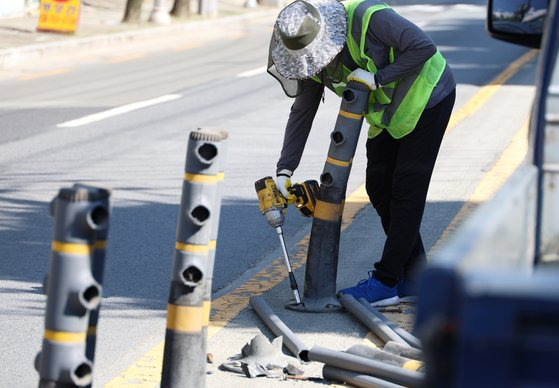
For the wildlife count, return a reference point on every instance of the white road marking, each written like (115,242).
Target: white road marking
(118,111)
(253,72)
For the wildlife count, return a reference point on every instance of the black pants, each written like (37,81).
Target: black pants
(398,176)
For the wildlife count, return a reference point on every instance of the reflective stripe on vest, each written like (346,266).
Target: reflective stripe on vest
(397,106)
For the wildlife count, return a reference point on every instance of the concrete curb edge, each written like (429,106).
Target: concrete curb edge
(11,57)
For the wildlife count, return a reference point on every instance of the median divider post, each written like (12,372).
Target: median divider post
(184,362)
(80,213)
(213,238)
(97,268)
(322,259)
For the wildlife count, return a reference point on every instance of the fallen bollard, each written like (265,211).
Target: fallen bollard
(290,340)
(371,367)
(386,357)
(213,239)
(409,338)
(370,320)
(184,361)
(322,260)
(72,292)
(356,379)
(404,351)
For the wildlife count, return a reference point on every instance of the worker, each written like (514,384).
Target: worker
(317,43)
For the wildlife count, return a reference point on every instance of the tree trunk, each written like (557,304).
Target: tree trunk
(133,11)
(181,9)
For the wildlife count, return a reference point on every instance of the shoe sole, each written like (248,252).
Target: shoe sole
(386,302)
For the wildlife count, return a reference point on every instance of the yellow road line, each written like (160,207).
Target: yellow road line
(126,58)
(489,90)
(147,370)
(509,161)
(48,73)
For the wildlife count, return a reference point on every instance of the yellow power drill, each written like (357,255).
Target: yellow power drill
(273,206)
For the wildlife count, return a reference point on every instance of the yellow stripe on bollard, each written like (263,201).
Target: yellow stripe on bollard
(64,336)
(100,244)
(336,162)
(192,248)
(350,115)
(186,319)
(71,248)
(220,176)
(207,306)
(212,244)
(412,365)
(327,211)
(199,178)
(92,330)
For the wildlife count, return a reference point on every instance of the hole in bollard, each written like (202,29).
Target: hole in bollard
(207,152)
(348,96)
(326,179)
(192,275)
(200,214)
(91,296)
(337,137)
(98,217)
(82,374)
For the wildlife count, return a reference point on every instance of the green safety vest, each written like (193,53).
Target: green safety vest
(397,106)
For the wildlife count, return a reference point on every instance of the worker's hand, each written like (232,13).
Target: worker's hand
(365,77)
(283,182)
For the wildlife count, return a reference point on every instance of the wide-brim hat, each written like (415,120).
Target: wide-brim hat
(307,35)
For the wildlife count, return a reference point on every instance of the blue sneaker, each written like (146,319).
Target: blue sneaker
(406,291)
(372,290)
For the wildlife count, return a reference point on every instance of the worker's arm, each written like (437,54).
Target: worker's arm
(412,46)
(299,125)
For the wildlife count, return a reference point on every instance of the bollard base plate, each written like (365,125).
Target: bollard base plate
(324,305)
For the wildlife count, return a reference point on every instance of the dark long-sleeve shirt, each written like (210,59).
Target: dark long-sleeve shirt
(387,29)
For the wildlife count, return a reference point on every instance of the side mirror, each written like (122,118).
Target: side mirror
(517,21)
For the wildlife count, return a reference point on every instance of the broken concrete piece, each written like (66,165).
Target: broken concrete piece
(260,358)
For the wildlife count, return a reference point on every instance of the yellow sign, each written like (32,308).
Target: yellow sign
(59,15)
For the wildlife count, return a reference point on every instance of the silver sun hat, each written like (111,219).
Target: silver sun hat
(307,36)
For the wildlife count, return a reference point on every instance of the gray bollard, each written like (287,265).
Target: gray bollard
(276,325)
(80,213)
(322,258)
(386,357)
(213,239)
(97,267)
(374,323)
(360,364)
(409,338)
(184,363)
(404,351)
(356,379)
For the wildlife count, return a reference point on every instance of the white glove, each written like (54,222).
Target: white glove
(283,182)
(365,77)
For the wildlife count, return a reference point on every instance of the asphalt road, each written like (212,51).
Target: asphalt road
(212,78)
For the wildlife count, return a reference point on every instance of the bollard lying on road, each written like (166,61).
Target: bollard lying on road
(80,214)
(370,320)
(356,379)
(386,357)
(290,340)
(184,360)
(409,338)
(322,259)
(360,364)
(404,351)
(213,238)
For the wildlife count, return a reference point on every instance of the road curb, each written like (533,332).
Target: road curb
(12,57)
